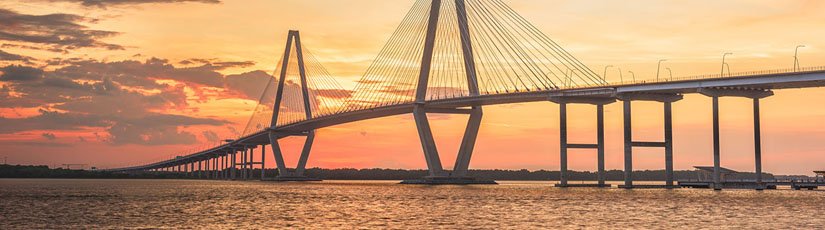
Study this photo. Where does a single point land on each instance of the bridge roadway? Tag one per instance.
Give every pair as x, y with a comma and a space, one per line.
757, 82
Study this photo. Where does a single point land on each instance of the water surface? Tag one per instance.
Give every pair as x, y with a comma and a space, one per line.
202, 204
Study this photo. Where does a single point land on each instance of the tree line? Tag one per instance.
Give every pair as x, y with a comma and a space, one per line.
23, 171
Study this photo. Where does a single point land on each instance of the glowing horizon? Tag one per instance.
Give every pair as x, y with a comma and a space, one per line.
188, 67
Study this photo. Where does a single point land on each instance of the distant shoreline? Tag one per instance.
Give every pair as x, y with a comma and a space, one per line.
27, 171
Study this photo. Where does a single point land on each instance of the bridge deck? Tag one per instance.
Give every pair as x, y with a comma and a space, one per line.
768, 81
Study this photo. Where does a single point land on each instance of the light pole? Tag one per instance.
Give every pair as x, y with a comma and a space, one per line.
658, 67
634, 76
621, 78
604, 76
670, 72
795, 59
722, 73
726, 65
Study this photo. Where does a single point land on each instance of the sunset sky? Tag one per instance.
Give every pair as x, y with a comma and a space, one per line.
115, 83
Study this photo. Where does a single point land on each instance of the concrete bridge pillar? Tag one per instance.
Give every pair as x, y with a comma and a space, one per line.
234, 165
263, 162
755, 95
243, 163
215, 167
284, 174
225, 166
667, 144
200, 169
437, 174
564, 145
251, 163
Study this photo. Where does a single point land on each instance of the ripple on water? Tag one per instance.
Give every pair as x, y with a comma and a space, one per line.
201, 204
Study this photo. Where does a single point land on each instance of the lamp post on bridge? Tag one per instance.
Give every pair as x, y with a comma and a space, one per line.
727, 65
634, 76
621, 77
658, 67
670, 72
604, 76
795, 59
722, 73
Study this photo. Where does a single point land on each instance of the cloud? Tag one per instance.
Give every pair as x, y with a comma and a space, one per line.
20, 73
49, 136
106, 3
250, 84
129, 117
151, 129
37, 143
211, 136
130, 99
5, 56
60, 31
7, 45
47, 120
140, 74
158, 129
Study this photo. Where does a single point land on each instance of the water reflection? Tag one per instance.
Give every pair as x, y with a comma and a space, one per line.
117, 204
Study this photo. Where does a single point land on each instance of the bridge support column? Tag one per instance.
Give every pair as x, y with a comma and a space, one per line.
667, 144
263, 162
215, 167
755, 95
757, 144
462, 163
717, 178
200, 169
243, 163
564, 145
251, 163
284, 174
245, 170
222, 167
234, 160
427, 142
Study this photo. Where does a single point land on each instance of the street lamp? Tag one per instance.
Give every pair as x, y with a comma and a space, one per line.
795, 59
722, 73
726, 65
670, 72
634, 76
604, 76
621, 78
659, 67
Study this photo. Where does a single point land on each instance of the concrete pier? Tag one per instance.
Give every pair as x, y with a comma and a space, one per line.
755, 95
564, 145
667, 144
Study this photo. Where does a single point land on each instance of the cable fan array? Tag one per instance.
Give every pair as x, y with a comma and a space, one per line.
510, 55
325, 95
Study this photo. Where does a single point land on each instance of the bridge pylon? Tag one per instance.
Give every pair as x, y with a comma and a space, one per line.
284, 173
437, 174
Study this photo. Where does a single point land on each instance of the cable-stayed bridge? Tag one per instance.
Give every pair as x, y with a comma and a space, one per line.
457, 56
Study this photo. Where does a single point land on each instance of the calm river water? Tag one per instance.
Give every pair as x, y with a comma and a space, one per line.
201, 204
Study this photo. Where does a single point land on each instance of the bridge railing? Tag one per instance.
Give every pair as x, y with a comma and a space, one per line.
712, 76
